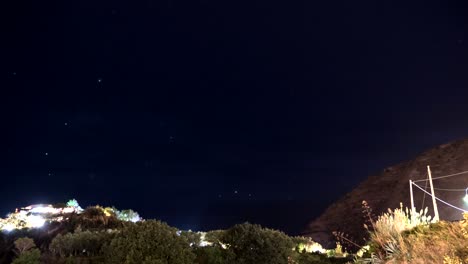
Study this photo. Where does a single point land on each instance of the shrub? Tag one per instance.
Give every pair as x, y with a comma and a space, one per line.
128, 215
386, 238
443, 242
306, 244
32, 256
192, 238
254, 244
27, 252
315, 258
72, 203
214, 236
95, 217
84, 243
401, 237
214, 255
148, 242
24, 244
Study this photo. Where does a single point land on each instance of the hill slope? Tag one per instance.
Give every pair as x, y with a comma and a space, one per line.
390, 187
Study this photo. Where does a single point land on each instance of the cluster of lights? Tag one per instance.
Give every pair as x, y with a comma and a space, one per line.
36, 221
22, 220
311, 247
8, 227
51, 210
36, 216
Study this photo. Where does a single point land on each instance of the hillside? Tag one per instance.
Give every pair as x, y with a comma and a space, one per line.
390, 187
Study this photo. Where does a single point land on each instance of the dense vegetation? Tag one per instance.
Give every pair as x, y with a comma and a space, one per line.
108, 236
402, 236
101, 235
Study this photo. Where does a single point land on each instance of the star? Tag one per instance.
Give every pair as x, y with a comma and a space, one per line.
235, 191
66, 124
99, 80
47, 153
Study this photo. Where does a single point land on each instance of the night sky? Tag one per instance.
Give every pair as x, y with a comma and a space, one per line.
209, 113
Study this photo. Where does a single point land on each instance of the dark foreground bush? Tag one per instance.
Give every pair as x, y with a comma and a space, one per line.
316, 258
81, 243
254, 244
150, 242
32, 256
26, 251
214, 255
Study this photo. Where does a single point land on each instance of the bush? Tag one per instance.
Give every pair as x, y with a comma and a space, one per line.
148, 242
84, 243
254, 244
214, 236
306, 244
443, 242
214, 255
27, 252
192, 238
24, 244
313, 258
95, 218
398, 237
128, 215
386, 234
32, 256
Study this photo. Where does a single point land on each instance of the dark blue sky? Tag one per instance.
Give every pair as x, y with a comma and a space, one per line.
209, 113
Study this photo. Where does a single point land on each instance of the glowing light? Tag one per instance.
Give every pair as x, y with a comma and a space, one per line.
465, 199
35, 221
45, 210
135, 219
311, 247
8, 227
68, 210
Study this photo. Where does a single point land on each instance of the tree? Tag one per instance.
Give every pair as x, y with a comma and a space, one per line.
316, 258
150, 242
26, 251
24, 244
214, 236
214, 255
193, 238
254, 244
95, 217
81, 243
128, 215
32, 256
73, 203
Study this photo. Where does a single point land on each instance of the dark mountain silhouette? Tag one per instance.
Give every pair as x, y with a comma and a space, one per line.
391, 186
